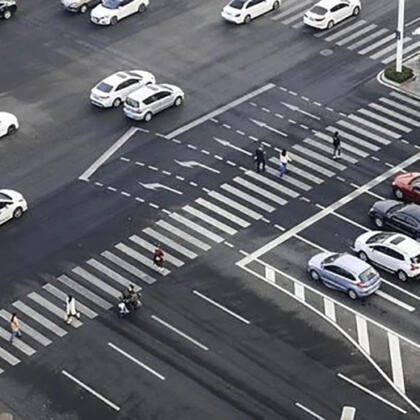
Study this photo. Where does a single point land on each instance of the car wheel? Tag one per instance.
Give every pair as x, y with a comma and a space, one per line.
356, 11
83, 8
116, 103
378, 222
178, 101
352, 294
276, 5
7, 14
114, 20
314, 275
17, 213
148, 117
330, 24
402, 276
247, 19
142, 8
12, 129
399, 194
362, 255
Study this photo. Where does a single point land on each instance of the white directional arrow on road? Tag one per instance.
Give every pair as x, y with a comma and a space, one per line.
265, 125
193, 163
232, 146
155, 186
297, 109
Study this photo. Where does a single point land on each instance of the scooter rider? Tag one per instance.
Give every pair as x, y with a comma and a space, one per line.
158, 256
130, 297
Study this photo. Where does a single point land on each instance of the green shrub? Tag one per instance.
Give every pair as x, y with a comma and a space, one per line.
392, 74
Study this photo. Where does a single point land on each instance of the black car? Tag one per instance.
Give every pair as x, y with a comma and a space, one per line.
7, 8
79, 6
397, 216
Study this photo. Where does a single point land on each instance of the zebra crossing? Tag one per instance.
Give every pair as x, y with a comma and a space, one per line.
367, 39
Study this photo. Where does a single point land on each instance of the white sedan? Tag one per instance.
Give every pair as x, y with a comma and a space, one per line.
12, 205
8, 123
393, 252
327, 13
243, 11
109, 12
112, 91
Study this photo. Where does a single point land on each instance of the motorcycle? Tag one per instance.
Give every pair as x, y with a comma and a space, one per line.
127, 305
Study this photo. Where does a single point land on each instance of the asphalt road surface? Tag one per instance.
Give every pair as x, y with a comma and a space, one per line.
232, 327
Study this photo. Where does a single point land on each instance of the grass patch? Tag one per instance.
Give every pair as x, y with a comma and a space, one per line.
392, 74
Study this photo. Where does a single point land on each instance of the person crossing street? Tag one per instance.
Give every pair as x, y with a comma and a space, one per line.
284, 160
15, 327
71, 310
337, 146
259, 158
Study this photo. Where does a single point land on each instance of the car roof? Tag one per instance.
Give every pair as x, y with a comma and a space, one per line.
329, 3
145, 91
406, 245
351, 263
412, 210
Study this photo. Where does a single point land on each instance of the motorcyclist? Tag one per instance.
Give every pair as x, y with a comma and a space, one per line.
130, 297
158, 256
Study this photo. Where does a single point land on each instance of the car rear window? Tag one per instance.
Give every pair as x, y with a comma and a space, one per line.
368, 275
237, 4
415, 260
379, 237
131, 102
104, 87
318, 10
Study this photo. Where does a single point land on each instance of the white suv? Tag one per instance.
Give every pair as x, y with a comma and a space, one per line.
393, 252
12, 205
150, 100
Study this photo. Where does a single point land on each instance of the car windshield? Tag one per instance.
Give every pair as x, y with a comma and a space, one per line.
104, 87
331, 258
5, 197
368, 275
132, 102
415, 260
111, 4
318, 10
237, 4
379, 237
415, 182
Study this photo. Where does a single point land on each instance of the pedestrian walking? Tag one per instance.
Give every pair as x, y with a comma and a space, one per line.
71, 309
284, 160
337, 146
15, 327
259, 158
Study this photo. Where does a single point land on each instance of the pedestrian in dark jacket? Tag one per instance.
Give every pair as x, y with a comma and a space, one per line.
259, 158
337, 145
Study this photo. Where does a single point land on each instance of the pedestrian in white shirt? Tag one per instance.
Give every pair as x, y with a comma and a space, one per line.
284, 160
71, 309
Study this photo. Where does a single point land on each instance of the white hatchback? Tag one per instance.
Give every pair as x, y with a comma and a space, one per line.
327, 13
113, 90
109, 12
243, 11
12, 205
393, 252
8, 123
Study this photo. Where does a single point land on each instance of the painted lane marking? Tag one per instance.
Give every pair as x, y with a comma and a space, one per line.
367, 39
401, 289
90, 390
223, 308
227, 143
156, 185
182, 334
270, 275
362, 333
356, 34
259, 190
137, 362
107, 154
192, 164
369, 192
369, 392
308, 411
299, 291
329, 309
96, 282
396, 362
268, 127
210, 220
396, 301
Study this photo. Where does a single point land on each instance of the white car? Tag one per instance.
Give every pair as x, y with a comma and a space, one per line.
243, 11
112, 91
12, 205
327, 13
109, 12
8, 123
150, 100
393, 252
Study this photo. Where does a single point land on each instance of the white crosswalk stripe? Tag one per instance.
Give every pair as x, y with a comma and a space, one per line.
377, 44
274, 185
345, 30
63, 297
222, 212
151, 248
8, 357
329, 150
27, 329
194, 226
384, 120
353, 138
260, 191
45, 322
374, 126
54, 309
18, 343
289, 179
298, 10
172, 244
234, 204
298, 171
407, 99
356, 34
130, 268
319, 157
182, 234
363, 132
112, 274
95, 281
406, 51
246, 197
141, 258
394, 114
83, 291
315, 168
328, 139
367, 39
397, 105
386, 50
210, 220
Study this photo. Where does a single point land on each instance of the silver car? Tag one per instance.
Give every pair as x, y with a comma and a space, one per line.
344, 272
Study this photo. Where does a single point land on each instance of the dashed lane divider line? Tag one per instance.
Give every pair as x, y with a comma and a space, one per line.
308, 411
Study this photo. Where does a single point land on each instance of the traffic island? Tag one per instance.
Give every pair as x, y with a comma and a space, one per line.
392, 75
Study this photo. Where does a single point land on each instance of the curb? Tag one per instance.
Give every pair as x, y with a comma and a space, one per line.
6, 416
381, 79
